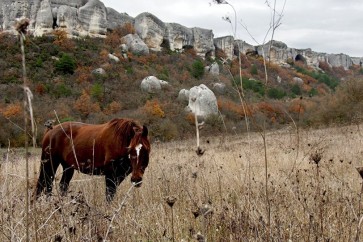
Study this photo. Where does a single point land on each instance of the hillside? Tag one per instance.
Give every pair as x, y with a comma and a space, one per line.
65, 87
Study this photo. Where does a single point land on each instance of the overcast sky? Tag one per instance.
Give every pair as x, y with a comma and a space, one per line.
330, 26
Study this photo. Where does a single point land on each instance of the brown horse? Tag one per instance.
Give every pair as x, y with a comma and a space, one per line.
114, 149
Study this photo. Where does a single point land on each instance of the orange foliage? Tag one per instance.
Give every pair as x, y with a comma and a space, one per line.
306, 87
153, 108
190, 118
83, 74
113, 39
296, 106
62, 40
12, 110
271, 110
229, 105
40, 89
113, 108
85, 106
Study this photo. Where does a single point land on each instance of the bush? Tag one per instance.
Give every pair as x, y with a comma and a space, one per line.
276, 93
97, 91
295, 89
254, 85
66, 64
254, 70
197, 69
61, 90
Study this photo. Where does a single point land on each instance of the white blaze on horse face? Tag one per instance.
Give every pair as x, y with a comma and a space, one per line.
137, 149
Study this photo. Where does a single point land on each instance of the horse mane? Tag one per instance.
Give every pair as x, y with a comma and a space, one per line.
130, 130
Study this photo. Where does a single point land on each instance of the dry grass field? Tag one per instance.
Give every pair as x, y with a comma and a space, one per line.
313, 193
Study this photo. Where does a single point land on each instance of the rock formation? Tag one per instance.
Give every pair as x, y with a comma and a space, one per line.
134, 44
202, 101
92, 18
151, 84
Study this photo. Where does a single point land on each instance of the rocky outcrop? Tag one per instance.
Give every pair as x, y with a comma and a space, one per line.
44, 19
152, 84
150, 29
157, 35
203, 42
231, 47
183, 95
134, 44
92, 18
177, 37
116, 19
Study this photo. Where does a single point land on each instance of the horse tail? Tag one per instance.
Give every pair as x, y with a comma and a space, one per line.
41, 181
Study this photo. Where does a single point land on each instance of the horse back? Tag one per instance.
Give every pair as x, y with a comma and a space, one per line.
78, 143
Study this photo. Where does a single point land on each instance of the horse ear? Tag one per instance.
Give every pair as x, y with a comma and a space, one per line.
145, 132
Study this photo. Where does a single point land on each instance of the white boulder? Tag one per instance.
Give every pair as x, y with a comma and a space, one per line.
152, 84
202, 101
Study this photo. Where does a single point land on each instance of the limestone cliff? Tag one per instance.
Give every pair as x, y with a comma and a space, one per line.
92, 18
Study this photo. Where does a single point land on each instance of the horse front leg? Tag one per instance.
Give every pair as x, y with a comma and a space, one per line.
110, 186
50, 168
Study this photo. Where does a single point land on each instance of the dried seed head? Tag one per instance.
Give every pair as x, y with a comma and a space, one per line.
200, 237
360, 171
22, 25
206, 209
199, 151
195, 175
170, 200
316, 157
196, 212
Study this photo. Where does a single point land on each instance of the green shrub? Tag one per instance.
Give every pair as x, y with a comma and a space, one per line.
251, 84
254, 85
254, 70
313, 92
330, 81
61, 90
276, 93
197, 69
66, 64
295, 89
97, 91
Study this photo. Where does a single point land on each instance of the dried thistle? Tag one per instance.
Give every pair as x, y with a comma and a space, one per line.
196, 212
22, 25
199, 151
316, 157
199, 237
170, 200
206, 209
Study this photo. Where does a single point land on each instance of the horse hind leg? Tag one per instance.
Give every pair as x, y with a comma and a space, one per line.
66, 178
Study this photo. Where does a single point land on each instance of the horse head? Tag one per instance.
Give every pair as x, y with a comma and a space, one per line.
139, 151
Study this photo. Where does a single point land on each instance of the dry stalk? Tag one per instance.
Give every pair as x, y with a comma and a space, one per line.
118, 210
21, 27
198, 126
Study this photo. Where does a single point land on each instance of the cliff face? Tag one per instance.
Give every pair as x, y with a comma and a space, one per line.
92, 18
